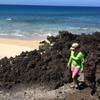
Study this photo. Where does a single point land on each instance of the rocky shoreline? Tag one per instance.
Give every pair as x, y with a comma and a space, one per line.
47, 65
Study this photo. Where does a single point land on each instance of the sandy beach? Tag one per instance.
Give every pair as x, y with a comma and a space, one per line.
11, 47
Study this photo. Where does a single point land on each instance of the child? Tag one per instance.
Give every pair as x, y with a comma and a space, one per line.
76, 63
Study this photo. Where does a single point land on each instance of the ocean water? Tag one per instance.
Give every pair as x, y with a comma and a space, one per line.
39, 21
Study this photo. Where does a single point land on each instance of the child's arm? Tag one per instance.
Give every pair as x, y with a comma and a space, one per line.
70, 59
78, 57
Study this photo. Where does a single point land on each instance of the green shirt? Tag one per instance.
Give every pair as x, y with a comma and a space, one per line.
76, 60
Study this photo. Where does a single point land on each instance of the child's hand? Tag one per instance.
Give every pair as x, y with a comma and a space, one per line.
68, 65
81, 71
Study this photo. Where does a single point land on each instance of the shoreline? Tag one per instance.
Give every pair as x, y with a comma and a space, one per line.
10, 47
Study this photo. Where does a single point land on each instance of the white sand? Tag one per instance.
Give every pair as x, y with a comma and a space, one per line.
12, 47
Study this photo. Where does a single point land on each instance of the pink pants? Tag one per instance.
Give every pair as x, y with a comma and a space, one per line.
75, 70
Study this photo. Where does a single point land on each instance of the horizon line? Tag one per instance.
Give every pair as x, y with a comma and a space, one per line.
50, 5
